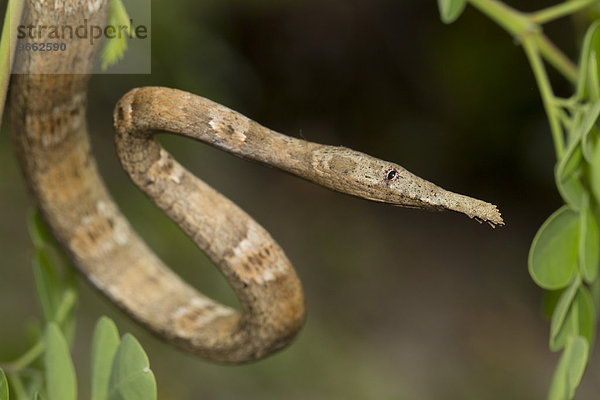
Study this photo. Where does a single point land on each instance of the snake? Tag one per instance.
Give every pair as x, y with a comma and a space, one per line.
49, 130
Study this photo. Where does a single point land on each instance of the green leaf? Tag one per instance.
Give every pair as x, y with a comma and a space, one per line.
589, 243
572, 191
570, 328
587, 52
585, 129
580, 319
553, 253
570, 369
3, 386
104, 347
46, 283
115, 48
131, 377
562, 308
70, 284
568, 172
60, 373
450, 10
593, 85
40, 236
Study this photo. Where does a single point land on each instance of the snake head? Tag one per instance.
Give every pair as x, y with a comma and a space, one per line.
361, 175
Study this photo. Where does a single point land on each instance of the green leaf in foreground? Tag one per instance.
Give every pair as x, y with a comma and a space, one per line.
570, 369
131, 377
589, 119
562, 308
593, 83
553, 253
450, 10
3, 386
568, 173
580, 320
104, 347
115, 48
587, 130
589, 42
46, 283
37, 230
60, 373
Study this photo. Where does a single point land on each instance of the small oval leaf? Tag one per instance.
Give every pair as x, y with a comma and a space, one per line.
568, 172
593, 84
589, 43
47, 286
450, 10
553, 253
576, 355
60, 373
585, 129
569, 328
562, 308
104, 347
580, 320
39, 234
569, 370
588, 143
131, 377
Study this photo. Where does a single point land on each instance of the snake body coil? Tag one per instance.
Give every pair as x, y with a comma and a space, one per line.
49, 129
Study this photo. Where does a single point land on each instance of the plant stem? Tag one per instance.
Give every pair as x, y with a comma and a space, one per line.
66, 305
543, 82
559, 10
564, 118
30, 356
518, 24
14, 9
568, 103
557, 58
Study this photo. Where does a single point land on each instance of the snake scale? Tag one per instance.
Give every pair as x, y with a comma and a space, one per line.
48, 125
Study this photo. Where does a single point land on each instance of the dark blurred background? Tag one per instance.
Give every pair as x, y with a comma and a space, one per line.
402, 304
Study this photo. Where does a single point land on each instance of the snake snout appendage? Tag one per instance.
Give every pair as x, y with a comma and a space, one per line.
494, 220
475, 209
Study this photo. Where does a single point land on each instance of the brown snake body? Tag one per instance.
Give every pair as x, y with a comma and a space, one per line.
49, 129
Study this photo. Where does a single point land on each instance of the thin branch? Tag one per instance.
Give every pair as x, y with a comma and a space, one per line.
546, 92
556, 57
560, 10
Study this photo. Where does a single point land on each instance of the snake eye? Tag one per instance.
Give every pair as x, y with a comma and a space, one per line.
391, 175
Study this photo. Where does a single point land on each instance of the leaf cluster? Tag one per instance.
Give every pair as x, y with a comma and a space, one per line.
565, 254
120, 369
